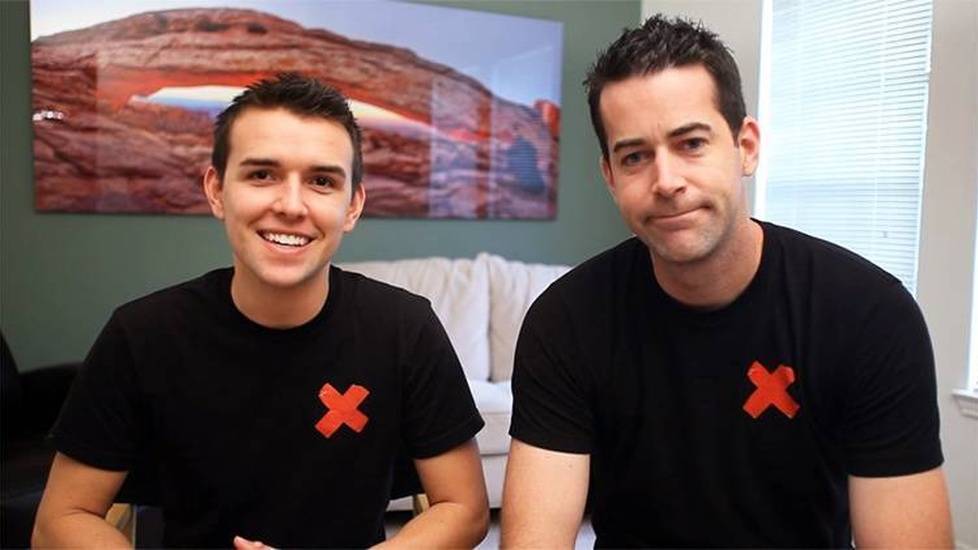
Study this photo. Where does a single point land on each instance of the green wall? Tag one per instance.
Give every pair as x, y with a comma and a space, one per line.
62, 274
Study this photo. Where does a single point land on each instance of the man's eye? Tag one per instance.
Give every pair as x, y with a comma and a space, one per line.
632, 159
260, 175
323, 181
694, 144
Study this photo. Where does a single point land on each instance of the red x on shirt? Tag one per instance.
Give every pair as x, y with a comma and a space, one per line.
772, 389
342, 409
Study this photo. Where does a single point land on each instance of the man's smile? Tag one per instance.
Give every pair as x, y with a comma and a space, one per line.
285, 239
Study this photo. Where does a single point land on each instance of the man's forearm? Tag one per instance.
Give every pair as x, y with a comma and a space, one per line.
444, 525
544, 497
517, 533
911, 511
77, 530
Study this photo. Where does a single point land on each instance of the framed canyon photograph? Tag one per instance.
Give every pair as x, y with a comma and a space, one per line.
460, 109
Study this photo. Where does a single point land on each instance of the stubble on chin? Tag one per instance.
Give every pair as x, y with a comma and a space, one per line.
686, 247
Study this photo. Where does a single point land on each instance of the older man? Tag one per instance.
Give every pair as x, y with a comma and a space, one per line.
716, 380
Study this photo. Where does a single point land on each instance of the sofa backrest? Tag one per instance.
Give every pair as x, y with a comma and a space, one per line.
459, 294
481, 302
513, 286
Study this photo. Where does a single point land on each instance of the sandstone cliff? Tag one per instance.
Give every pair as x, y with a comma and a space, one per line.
472, 155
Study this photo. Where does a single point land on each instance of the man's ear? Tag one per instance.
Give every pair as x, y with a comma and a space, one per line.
609, 177
353, 211
749, 143
213, 187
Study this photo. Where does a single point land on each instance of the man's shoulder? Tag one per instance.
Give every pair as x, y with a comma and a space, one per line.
613, 263
838, 281
830, 263
603, 271
190, 294
595, 282
371, 295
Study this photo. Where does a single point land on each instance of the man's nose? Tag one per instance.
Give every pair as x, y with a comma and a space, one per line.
667, 177
290, 201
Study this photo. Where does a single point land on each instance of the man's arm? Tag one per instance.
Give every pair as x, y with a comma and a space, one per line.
459, 513
72, 510
544, 497
909, 511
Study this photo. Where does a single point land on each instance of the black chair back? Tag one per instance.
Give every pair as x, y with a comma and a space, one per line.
11, 393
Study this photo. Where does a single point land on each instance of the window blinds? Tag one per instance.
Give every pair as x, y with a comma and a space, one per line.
845, 124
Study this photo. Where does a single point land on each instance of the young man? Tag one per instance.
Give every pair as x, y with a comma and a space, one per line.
277, 393
725, 381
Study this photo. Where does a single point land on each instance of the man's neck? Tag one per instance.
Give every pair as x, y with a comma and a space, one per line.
277, 307
718, 280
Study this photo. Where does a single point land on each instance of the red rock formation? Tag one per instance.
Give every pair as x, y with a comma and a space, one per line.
550, 114
111, 153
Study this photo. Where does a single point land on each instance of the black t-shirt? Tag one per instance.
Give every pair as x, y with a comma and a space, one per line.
734, 427
238, 414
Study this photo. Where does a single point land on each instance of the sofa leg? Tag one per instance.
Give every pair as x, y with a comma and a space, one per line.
420, 503
123, 518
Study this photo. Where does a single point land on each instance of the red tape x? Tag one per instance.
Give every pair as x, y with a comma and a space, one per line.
772, 389
342, 409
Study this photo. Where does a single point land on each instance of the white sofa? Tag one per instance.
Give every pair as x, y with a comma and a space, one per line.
481, 302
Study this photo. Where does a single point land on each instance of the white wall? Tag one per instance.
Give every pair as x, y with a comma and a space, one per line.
949, 210
947, 241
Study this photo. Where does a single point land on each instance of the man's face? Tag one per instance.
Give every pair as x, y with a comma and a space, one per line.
674, 167
286, 198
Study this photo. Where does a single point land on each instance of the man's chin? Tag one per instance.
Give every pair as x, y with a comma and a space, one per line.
678, 251
286, 279
679, 258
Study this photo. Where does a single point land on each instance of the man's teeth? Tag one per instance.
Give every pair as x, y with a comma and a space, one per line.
286, 239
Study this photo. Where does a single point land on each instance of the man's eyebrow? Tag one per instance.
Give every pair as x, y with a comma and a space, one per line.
318, 168
259, 162
691, 127
625, 143
329, 169
682, 130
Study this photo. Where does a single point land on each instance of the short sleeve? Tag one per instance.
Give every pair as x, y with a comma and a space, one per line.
892, 425
439, 412
98, 424
551, 403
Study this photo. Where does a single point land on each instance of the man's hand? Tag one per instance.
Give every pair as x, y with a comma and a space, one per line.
543, 498
459, 512
72, 510
901, 512
241, 543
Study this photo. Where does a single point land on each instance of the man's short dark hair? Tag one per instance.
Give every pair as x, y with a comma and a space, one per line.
297, 94
658, 44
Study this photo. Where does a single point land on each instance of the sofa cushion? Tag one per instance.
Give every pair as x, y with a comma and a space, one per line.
513, 286
459, 294
495, 404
